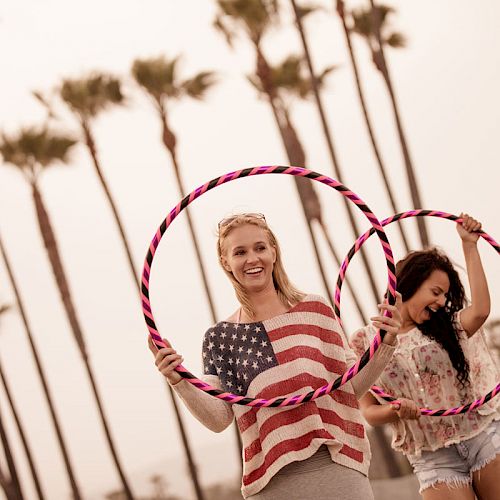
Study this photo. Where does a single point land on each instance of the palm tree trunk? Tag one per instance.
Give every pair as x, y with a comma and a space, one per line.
369, 126
13, 487
309, 198
187, 447
43, 378
22, 434
378, 432
63, 287
169, 142
381, 64
6, 486
354, 296
296, 156
331, 150
90, 142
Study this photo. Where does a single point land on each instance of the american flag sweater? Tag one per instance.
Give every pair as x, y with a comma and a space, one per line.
291, 353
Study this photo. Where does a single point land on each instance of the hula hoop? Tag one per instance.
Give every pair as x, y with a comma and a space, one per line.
359, 243
276, 401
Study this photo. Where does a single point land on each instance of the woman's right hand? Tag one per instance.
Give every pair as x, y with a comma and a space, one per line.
166, 360
406, 409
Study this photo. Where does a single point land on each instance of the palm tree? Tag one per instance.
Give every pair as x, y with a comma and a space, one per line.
32, 151
41, 374
255, 18
10, 485
87, 98
368, 122
314, 85
19, 425
371, 25
158, 78
288, 83
279, 84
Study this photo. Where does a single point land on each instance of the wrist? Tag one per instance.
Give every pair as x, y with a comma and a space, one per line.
469, 244
174, 380
390, 338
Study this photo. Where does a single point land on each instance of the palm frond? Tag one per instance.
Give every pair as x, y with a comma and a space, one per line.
364, 24
197, 86
325, 73
4, 308
291, 77
90, 95
396, 40
255, 82
44, 101
229, 33
305, 10
288, 74
35, 145
157, 76
254, 16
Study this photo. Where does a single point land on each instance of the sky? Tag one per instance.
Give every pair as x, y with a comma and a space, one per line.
446, 82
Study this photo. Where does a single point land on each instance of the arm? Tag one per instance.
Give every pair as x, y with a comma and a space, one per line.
474, 316
213, 413
376, 414
374, 368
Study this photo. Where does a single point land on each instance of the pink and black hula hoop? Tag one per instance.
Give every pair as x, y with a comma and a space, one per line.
276, 401
343, 268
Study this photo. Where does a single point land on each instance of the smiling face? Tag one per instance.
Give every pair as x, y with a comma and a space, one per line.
429, 297
249, 256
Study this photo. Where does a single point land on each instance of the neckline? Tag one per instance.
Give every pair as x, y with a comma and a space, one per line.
267, 319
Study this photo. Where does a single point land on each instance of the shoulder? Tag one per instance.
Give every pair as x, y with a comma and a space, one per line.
315, 304
312, 297
456, 322
214, 331
312, 301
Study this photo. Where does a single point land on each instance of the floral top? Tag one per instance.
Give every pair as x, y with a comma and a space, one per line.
421, 370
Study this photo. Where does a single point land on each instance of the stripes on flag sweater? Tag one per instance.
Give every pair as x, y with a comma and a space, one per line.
291, 353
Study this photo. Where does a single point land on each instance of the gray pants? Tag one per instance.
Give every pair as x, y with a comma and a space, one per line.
317, 478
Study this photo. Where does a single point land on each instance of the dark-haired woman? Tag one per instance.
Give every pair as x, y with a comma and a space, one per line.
441, 361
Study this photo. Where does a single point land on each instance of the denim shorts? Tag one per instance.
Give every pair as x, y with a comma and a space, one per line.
455, 464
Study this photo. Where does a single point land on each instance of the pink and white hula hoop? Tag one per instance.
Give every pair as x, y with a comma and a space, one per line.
343, 268
276, 401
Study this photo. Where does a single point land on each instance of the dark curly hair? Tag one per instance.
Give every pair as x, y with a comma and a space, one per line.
411, 272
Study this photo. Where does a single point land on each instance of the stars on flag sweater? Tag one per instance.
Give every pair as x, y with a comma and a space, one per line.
237, 353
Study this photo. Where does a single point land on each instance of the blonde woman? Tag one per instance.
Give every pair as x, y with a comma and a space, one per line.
281, 342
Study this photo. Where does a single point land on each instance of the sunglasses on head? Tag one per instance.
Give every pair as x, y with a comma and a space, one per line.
228, 220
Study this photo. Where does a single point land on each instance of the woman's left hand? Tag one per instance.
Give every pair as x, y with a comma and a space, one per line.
392, 324
467, 229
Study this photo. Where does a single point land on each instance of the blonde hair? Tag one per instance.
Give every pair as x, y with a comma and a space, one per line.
287, 293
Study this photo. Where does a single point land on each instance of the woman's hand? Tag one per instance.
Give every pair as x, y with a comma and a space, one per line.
392, 324
406, 409
467, 229
166, 360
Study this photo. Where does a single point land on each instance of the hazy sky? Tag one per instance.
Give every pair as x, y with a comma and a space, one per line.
447, 84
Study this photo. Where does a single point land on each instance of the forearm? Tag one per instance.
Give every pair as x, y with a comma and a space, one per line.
362, 382
377, 414
213, 413
480, 295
